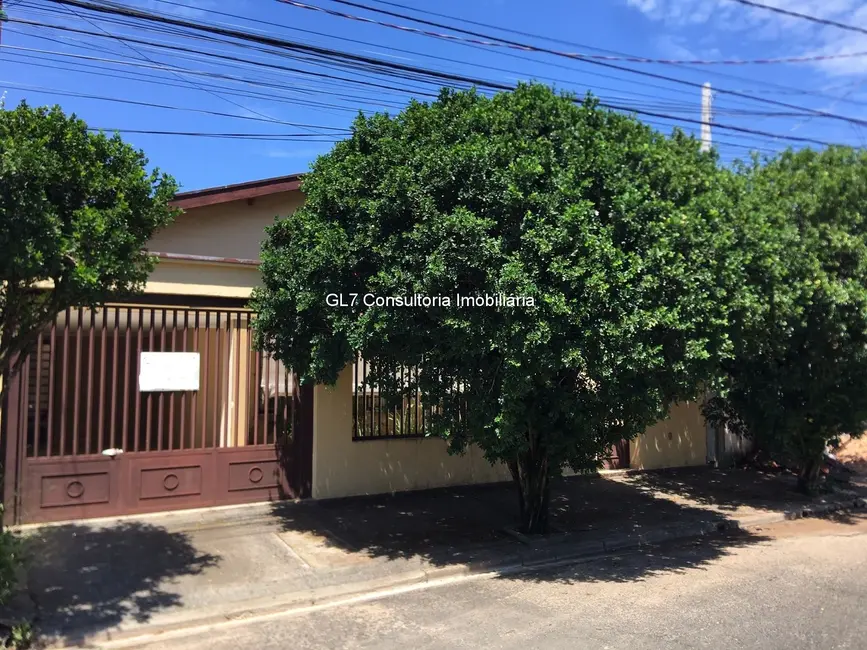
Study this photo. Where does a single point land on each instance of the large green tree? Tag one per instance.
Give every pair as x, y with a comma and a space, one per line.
76, 210
798, 378
621, 236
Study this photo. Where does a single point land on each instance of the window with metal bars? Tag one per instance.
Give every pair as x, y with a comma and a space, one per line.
377, 416
401, 411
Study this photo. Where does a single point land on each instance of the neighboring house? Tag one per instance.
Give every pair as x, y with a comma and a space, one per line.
162, 403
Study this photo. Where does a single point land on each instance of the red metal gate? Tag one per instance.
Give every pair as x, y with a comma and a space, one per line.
82, 439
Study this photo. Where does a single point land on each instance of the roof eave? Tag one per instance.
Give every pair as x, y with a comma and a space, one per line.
237, 192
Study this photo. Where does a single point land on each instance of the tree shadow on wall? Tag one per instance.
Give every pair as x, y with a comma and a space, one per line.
89, 579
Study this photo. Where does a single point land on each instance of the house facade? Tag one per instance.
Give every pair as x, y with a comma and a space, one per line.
162, 403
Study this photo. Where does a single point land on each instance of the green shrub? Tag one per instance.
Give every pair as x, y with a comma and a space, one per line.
11, 552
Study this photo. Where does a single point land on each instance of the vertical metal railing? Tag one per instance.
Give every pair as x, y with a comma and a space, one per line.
374, 417
82, 393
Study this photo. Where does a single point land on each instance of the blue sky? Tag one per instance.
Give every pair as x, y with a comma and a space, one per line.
261, 100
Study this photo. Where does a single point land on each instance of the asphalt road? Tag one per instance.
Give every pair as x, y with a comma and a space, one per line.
795, 585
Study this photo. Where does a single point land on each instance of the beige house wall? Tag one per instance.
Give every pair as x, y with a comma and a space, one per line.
678, 441
344, 467
234, 229
184, 278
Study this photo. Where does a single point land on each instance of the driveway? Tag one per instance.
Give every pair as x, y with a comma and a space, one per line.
95, 582
802, 586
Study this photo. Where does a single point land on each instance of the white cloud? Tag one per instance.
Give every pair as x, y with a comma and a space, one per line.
675, 47
787, 35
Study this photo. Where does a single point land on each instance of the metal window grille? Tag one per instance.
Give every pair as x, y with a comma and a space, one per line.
381, 415
376, 417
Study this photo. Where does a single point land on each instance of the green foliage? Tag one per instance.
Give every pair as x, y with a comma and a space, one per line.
798, 378
21, 636
623, 238
77, 209
11, 559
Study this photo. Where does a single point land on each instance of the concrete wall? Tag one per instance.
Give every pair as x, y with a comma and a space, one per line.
343, 467
678, 441
227, 230
183, 278
233, 229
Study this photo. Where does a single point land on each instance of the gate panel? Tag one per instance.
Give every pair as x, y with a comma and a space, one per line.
55, 490
84, 441
169, 480
250, 475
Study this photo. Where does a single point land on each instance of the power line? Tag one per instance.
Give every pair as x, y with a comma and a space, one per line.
675, 107
532, 48
795, 14
332, 53
193, 83
727, 143
686, 106
346, 131
767, 86
302, 137
199, 55
53, 91
281, 99
624, 57
652, 122
168, 68
448, 59
293, 46
478, 83
627, 109
156, 79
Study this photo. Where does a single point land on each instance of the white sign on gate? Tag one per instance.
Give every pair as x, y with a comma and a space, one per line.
168, 371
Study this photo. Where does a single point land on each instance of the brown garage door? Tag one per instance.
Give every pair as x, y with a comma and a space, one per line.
97, 424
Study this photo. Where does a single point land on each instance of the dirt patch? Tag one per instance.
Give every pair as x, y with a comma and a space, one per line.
834, 524
853, 454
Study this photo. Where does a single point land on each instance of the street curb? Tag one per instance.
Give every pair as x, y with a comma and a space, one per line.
533, 558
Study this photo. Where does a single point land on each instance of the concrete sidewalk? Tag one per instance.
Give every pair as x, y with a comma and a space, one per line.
101, 582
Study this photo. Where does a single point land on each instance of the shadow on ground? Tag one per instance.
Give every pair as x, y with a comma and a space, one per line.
639, 565
88, 579
458, 525
729, 489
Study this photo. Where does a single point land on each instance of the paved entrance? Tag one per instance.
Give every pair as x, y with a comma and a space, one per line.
100, 582
89, 435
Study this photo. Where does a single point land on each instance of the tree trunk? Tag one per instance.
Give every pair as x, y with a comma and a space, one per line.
530, 472
808, 478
